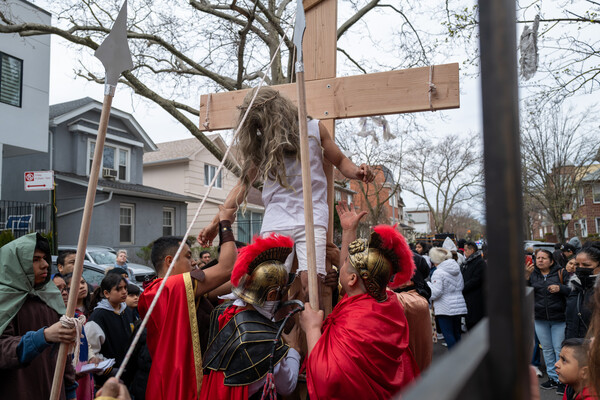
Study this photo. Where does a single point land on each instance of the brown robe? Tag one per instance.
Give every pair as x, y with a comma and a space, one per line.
32, 381
416, 310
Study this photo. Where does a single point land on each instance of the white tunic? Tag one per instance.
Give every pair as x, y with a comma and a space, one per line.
284, 208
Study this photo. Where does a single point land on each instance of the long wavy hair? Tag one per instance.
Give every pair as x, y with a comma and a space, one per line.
269, 134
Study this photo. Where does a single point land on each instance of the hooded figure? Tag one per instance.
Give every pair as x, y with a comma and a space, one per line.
26, 310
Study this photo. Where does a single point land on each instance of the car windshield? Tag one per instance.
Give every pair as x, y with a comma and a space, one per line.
103, 257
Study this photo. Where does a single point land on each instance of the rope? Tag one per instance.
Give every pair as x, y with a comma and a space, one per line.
187, 233
432, 87
76, 323
206, 123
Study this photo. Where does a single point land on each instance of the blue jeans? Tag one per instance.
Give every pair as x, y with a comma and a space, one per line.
535, 359
450, 327
551, 335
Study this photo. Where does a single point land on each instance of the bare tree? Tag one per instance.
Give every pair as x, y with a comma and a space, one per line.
463, 223
371, 141
558, 148
444, 174
180, 47
568, 43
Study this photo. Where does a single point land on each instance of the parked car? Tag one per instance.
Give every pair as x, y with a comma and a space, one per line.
98, 259
91, 273
539, 245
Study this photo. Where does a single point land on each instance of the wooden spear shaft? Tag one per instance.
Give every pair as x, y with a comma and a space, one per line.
83, 238
311, 258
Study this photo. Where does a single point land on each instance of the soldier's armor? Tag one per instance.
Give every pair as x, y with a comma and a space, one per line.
242, 348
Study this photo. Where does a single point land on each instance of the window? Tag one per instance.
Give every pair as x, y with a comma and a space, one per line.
583, 223
113, 157
597, 225
596, 192
209, 174
581, 196
168, 221
126, 220
249, 224
337, 196
11, 80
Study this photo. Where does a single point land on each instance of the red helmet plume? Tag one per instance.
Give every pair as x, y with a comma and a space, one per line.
272, 247
398, 252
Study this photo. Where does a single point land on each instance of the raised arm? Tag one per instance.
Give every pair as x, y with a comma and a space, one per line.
220, 273
349, 220
335, 156
233, 200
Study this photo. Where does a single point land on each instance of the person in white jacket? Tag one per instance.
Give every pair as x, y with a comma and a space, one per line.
446, 294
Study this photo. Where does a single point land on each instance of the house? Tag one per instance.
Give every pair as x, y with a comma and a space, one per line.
421, 218
187, 167
381, 198
24, 109
585, 220
126, 213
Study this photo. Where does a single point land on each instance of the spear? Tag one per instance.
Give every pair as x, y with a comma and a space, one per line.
313, 284
116, 58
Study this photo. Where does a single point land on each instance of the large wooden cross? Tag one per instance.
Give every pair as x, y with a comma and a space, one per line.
329, 98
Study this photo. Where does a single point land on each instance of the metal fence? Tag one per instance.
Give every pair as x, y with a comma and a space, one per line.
21, 217
248, 228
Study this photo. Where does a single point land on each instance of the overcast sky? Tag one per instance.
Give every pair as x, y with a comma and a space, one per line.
162, 127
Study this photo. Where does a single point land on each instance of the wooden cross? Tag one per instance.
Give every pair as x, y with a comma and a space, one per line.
330, 98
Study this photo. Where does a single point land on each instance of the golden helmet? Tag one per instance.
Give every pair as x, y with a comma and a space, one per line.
376, 260
260, 268
254, 288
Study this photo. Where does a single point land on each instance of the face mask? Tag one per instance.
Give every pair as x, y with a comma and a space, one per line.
584, 275
268, 308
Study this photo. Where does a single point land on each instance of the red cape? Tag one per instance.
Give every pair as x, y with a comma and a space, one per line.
173, 340
363, 351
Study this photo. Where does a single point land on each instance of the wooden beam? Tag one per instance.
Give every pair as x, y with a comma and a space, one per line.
308, 4
393, 92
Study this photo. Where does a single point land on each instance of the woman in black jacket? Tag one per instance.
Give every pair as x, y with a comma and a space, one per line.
550, 293
579, 302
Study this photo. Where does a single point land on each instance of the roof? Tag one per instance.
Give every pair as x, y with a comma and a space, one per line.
125, 188
177, 150
62, 112
593, 176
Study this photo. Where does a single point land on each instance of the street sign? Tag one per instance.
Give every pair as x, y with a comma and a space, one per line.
567, 217
39, 180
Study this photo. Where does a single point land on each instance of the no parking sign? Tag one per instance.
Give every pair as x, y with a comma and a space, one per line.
39, 180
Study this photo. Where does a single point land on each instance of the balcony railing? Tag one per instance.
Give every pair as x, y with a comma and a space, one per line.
22, 217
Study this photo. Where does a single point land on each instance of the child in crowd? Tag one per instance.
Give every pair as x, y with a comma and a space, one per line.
109, 327
133, 296
85, 381
84, 297
572, 370
269, 145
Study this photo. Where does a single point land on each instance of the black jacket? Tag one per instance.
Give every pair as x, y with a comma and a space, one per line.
473, 272
139, 366
579, 307
421, 273
549, 306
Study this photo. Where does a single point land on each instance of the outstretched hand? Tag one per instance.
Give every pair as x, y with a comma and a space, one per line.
349, 219
207, 234
365, 173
